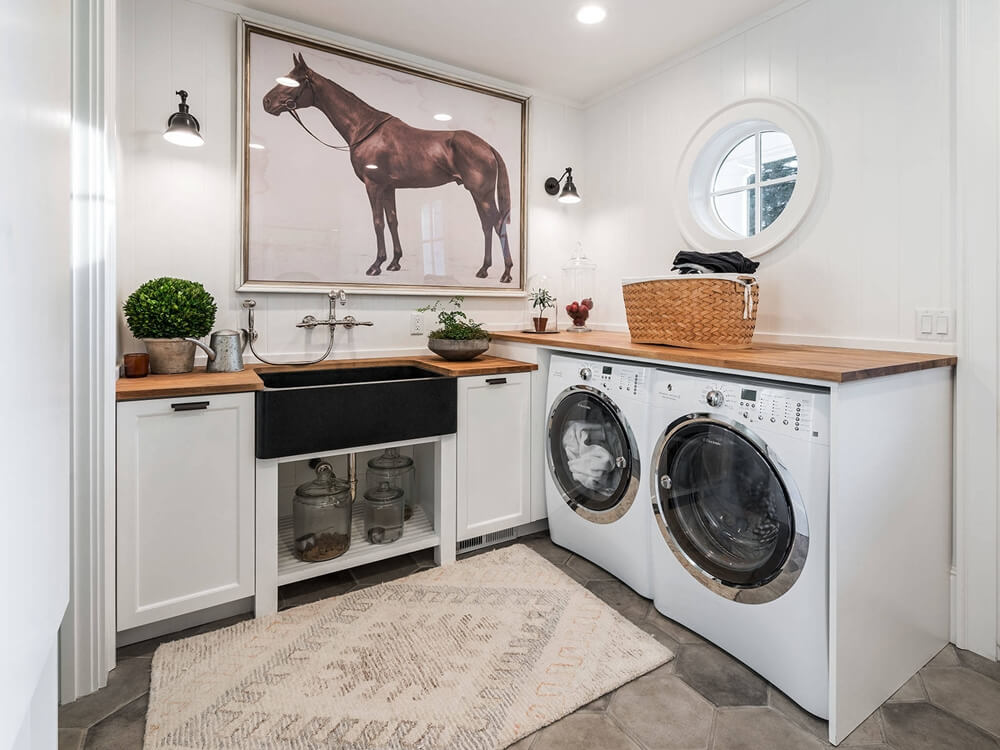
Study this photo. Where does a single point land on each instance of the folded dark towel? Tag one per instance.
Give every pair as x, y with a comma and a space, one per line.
688, 261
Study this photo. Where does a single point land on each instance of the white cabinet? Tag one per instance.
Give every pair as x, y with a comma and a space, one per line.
185, 505
494, 461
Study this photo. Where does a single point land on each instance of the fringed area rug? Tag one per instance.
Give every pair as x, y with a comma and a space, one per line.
470, 656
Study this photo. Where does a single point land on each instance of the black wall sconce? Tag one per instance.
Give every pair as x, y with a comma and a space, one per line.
182, 127
568, 193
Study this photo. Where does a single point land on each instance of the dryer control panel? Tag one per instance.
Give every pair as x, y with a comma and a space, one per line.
758, 405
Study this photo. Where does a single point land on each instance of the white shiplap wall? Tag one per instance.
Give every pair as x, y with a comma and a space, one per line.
876, 80
178, 208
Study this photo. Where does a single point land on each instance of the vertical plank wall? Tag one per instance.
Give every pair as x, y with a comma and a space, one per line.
877, 243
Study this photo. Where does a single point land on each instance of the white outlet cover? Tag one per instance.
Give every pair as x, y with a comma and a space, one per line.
418, 326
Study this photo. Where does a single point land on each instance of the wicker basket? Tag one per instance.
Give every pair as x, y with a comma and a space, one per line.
697, 311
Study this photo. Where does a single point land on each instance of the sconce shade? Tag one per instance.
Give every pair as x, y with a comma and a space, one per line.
182, 127
568, 193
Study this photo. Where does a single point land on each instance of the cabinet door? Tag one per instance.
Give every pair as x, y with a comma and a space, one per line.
493, 453
185, 505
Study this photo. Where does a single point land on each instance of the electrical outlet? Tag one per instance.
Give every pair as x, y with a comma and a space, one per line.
935, 325
417, 325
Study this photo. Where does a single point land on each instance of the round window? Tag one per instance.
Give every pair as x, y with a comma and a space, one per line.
750, 174
754, 182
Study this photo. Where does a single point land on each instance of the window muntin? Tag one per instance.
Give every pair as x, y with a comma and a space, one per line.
754, 182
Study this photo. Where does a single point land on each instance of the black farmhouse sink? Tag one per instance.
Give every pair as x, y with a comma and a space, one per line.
313, 410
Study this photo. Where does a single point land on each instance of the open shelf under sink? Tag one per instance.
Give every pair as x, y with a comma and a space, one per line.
418, 534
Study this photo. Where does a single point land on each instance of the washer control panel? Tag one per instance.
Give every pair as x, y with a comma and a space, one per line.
610, 377
618, 378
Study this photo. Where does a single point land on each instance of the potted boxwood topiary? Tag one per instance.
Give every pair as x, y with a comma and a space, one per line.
165, 314
459, 337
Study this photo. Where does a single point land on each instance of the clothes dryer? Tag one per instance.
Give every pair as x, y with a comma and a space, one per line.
739, 488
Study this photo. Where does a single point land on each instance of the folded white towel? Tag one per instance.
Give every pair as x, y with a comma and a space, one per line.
590, 463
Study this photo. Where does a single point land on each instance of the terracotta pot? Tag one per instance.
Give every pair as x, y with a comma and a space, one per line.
170, 356
540, 323
458, 351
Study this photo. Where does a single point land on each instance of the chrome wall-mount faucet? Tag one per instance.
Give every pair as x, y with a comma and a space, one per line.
310, 322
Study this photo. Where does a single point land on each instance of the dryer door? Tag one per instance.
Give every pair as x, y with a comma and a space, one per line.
592, 455
728, 509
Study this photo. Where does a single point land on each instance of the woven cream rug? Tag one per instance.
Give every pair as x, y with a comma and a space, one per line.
470, 656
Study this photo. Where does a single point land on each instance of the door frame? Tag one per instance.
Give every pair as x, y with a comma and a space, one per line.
976, 236
87, 634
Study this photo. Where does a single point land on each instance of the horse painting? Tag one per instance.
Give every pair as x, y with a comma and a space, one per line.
388, 154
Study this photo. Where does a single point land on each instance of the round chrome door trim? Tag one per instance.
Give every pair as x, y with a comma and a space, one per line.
794, 563
628, 497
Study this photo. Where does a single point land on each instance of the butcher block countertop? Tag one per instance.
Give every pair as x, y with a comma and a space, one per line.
833, 364
201, 383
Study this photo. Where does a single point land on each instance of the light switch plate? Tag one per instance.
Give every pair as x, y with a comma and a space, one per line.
933, 324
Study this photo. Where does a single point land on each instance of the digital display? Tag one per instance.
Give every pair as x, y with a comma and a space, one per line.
748, 395
606, 370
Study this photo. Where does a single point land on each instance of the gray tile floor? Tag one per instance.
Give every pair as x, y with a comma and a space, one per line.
702, 699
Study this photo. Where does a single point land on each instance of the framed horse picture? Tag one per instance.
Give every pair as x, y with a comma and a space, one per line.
364, 173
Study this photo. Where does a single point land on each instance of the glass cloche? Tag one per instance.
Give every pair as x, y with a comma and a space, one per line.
541, 309
579, 285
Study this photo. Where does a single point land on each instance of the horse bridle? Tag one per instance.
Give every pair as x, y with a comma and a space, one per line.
291, 106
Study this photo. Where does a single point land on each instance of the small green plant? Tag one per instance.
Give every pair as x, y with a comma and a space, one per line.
168, 308
455, 324
542, 299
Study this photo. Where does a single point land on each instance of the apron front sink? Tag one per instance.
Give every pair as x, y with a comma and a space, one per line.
314, 410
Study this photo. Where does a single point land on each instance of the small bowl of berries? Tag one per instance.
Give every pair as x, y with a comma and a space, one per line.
578, 313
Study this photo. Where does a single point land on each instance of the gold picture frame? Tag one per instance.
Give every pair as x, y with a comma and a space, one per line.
304, 225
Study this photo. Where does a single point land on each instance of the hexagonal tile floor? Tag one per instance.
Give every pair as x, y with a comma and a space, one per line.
702, 700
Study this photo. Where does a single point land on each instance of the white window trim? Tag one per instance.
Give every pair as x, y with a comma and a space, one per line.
703, 155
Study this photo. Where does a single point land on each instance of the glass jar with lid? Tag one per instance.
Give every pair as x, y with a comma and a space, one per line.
398, 471
383, 514
579, 285
321, 516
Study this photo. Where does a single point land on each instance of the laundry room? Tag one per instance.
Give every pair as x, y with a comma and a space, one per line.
613, 374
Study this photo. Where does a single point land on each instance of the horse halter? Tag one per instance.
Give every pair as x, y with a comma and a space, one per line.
291, 106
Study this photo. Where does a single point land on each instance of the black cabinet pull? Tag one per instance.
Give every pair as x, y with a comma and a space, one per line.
190, 406
496, 381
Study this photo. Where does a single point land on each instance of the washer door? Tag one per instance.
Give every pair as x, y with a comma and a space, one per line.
728, 509
592, 454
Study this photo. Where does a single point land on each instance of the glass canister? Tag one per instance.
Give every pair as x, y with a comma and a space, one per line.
540, 308
398, 471
579, 282
383, 514
321, 516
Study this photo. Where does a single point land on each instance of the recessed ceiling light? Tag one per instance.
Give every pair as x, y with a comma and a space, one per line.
371, 166
286, 81
256, 146
591, 14
442, 117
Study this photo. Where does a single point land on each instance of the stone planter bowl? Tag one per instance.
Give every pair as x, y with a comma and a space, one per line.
458, 351
170, 356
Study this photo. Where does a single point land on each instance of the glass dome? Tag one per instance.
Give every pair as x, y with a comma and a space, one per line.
541, 308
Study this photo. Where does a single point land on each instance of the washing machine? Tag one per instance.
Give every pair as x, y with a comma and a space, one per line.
739, 484
596, 495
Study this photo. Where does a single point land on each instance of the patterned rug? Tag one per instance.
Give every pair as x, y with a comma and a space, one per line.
470, 656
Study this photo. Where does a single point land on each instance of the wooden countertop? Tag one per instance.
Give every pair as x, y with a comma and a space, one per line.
199, 382
814, 362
